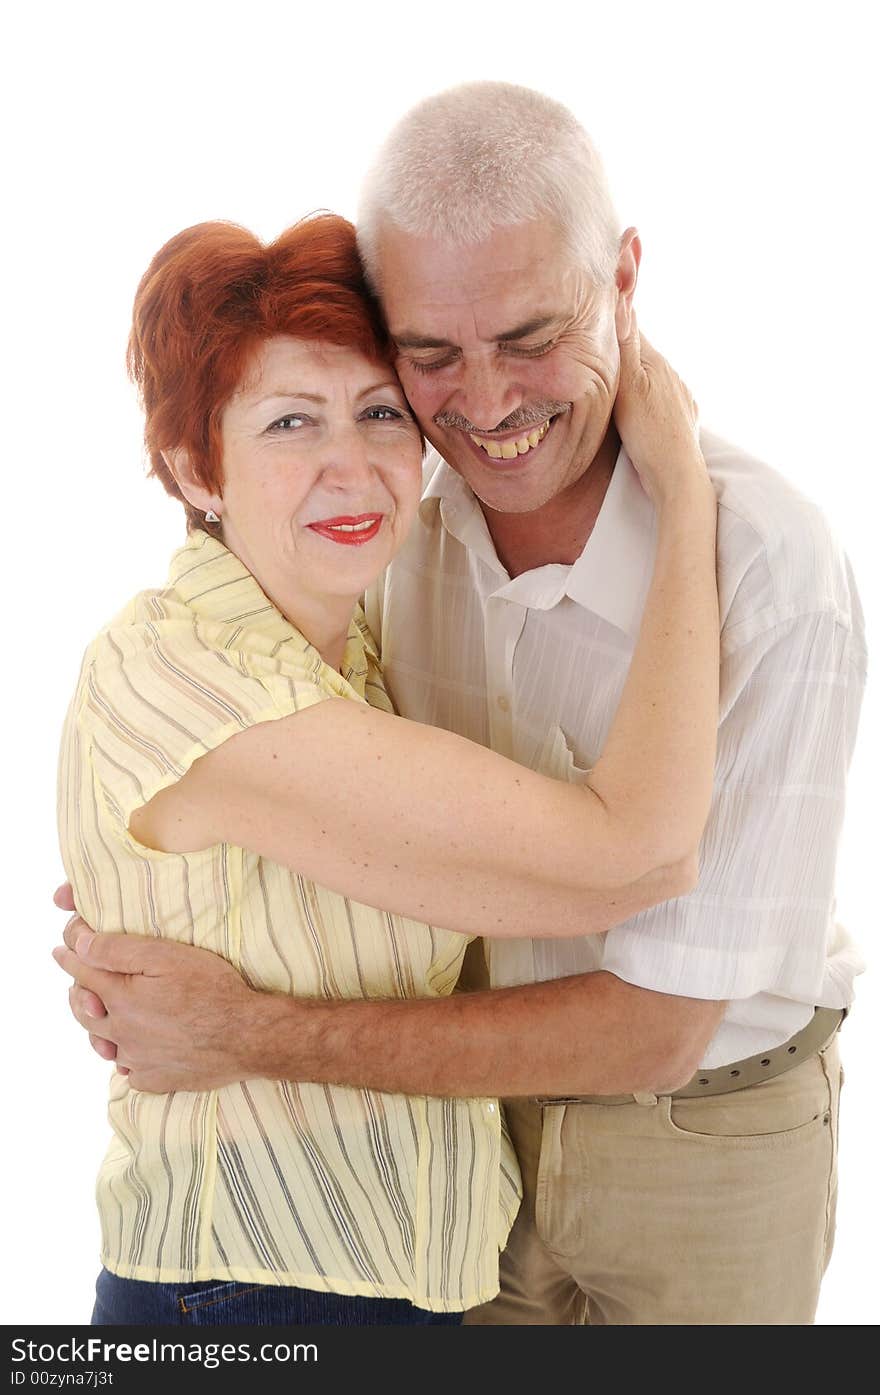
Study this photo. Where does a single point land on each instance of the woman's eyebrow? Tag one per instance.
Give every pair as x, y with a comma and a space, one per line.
282, 394
377, 387
289, 392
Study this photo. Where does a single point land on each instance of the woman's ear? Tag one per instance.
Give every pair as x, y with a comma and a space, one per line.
201, 497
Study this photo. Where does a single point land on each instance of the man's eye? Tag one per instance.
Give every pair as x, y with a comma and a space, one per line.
429, 365
291, 422
383, 414
531, 350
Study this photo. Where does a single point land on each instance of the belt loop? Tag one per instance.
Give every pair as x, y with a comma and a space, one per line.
644, 1097
551, 1129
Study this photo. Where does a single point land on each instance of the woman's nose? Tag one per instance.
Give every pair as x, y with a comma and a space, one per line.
348, 460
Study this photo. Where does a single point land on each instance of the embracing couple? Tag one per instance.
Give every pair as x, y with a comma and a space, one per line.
389, 705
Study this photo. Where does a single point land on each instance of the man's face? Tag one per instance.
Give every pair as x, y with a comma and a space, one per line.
508, 343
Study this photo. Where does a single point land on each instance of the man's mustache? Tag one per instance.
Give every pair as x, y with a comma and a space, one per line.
535, 414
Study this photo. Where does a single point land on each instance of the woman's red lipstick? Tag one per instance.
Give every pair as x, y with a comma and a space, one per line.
350, 530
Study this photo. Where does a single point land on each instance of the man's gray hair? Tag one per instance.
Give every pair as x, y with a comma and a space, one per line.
488, 155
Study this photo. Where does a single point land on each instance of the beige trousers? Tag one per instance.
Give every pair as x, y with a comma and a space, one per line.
675, 1212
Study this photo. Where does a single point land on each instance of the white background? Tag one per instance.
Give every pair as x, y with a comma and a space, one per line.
739, 138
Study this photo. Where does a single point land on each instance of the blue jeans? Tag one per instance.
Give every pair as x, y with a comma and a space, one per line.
216, 1303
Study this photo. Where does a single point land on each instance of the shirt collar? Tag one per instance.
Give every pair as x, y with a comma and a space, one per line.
613, 573
459, 510
213, 583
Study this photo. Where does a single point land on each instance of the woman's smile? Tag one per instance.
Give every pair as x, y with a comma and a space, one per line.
348, 530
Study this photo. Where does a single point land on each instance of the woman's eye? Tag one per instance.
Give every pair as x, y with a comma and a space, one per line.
384, 414
289, 423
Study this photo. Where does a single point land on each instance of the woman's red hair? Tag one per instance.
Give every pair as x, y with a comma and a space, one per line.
209, 297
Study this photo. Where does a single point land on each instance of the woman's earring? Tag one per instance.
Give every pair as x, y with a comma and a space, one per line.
211, 517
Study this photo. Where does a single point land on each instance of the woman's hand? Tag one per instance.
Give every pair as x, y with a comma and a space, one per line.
655, 415
83, 1004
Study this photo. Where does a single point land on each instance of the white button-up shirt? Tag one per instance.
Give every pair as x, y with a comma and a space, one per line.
534, 667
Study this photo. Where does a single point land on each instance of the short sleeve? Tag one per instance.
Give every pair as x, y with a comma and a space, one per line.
762, 915
154, 699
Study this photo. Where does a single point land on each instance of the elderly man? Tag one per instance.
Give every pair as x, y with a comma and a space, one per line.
510, 617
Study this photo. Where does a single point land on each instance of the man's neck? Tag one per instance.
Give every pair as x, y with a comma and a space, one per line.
557, 531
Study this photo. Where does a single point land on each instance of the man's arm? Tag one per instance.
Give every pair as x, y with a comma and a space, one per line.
183, 1019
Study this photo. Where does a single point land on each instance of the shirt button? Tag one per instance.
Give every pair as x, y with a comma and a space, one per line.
491, 1108
504, 704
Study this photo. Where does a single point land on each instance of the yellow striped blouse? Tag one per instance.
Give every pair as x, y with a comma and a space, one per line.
347, 1191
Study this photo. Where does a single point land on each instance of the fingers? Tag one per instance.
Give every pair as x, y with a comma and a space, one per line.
75, 927
118, 954
635, 350
105, 1049
85, 974
647, 351
85, 1004
628, 337
81, 1002
63, 897
639, 360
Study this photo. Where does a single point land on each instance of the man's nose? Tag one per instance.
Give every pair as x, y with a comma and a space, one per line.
487, 394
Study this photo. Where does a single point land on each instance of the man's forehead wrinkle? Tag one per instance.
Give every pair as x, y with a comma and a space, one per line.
493, 325
460, 280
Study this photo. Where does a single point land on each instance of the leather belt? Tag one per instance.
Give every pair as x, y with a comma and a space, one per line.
817, 1034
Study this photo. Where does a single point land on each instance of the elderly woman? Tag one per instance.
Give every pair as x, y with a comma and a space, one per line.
232, 776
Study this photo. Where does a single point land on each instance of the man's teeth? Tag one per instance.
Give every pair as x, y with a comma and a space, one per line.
507, 450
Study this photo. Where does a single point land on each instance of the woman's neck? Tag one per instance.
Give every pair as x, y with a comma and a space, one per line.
324, 620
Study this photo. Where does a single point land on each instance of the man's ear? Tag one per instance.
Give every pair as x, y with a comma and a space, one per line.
627, 273
193, 491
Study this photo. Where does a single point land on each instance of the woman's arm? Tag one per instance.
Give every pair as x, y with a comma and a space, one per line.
425, 823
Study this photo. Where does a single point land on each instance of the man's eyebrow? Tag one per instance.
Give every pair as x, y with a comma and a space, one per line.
529, 327
409, 340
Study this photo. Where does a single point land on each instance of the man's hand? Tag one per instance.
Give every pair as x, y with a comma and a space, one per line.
169, 1011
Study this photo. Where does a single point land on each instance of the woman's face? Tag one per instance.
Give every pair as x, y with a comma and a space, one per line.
321, 470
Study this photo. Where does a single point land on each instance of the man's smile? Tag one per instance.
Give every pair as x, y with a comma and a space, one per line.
512, 447
509, 447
